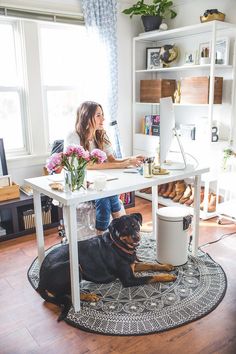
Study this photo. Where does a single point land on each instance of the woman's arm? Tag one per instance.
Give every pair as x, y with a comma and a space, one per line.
112, 162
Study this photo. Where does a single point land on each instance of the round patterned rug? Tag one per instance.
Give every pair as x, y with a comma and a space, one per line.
200, 286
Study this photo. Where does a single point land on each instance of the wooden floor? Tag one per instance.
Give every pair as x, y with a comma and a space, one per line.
28, 324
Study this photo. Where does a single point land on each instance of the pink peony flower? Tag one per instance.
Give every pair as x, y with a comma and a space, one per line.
74, 157
98, 155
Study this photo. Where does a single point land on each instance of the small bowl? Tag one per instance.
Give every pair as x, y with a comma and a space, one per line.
212, 17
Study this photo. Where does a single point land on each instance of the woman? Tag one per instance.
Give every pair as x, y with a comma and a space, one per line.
89, 132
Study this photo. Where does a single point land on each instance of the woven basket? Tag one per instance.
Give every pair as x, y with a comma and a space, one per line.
212, 17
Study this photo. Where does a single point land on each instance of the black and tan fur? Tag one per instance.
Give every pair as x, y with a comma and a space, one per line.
102, 259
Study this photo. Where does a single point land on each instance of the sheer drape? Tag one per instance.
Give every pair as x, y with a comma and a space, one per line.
101, 22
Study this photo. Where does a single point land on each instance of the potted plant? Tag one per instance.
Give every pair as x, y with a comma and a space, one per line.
152, 14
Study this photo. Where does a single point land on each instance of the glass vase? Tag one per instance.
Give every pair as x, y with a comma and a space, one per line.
75, 179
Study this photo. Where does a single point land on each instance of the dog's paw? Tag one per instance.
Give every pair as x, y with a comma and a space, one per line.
168, 267
89, 297
168, 277
163, 278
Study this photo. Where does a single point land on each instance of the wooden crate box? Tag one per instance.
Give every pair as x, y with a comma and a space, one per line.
9, 192
196, 90
153, 90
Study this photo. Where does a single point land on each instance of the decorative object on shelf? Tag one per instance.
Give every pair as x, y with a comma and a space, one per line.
74, 161
26, 190
222, 51
177, 93
153, 58
228, 153
5, 181
190, 58
168, 54
214, 134
211, 15
10, 192
221, 54
204, 52
163, 27
153, 90
195, 90
152, 14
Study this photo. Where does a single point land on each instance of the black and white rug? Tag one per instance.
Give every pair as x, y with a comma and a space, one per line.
199, 288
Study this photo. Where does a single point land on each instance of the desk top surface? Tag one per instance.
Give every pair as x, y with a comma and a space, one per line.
125, 182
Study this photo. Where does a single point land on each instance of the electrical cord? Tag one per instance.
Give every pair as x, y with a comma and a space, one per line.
188, 154
209, 243
217, 240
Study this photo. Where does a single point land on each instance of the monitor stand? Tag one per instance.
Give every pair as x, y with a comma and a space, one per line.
171, 165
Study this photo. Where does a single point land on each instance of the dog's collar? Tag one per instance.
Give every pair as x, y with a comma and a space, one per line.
122, 248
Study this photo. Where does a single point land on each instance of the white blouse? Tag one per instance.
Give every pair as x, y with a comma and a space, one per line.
73, 138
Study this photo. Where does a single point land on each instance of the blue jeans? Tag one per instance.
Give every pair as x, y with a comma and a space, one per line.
104, 208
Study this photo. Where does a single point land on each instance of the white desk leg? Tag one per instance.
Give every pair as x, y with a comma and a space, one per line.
154, 210
65, 221
196, 215
70, 216
39, 226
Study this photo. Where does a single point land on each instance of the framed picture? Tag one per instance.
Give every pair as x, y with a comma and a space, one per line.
222, 51
3, 163
153, 58
205, 50
190, 57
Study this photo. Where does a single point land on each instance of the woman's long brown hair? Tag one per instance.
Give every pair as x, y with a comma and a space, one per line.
85, 122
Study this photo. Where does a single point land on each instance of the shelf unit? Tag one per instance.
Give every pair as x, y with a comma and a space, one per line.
12, 216
188, 38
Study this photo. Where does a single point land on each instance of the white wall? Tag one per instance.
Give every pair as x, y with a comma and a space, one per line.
188, 11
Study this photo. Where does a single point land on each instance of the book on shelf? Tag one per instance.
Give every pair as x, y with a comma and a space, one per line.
151, 124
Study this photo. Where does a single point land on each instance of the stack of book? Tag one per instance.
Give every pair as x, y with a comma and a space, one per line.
151, 124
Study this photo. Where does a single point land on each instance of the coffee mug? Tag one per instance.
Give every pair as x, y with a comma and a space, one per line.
100, 182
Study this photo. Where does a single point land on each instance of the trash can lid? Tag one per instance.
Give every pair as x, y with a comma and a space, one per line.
173, 213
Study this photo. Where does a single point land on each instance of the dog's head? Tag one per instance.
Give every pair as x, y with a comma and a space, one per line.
126, 229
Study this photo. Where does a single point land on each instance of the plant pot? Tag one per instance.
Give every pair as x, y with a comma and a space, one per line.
151, 23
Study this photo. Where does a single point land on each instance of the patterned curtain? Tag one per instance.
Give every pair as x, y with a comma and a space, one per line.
101, 23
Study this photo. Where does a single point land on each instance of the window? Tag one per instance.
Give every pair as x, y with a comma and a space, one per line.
46, 71
70, 75
11, 89
63, 58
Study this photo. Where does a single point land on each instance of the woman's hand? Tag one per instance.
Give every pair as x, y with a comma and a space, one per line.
134, 161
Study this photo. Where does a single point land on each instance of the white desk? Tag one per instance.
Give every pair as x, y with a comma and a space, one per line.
126, 182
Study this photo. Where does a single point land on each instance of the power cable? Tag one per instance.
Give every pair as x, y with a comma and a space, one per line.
208, 243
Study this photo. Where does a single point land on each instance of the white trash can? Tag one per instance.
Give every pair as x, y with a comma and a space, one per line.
172, 235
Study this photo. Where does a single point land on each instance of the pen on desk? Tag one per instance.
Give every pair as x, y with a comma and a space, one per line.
130, 171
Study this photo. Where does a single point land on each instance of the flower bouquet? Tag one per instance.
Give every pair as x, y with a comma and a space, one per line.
74, 161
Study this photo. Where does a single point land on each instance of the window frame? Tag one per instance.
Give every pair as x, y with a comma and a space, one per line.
20, 88
32, 92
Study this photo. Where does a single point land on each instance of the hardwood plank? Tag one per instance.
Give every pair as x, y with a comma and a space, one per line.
28, 324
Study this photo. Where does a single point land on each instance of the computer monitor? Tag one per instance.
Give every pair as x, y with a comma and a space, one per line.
167, 134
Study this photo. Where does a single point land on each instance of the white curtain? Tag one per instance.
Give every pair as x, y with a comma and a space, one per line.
101, 22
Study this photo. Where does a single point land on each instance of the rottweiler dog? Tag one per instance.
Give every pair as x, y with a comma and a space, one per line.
102, 259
